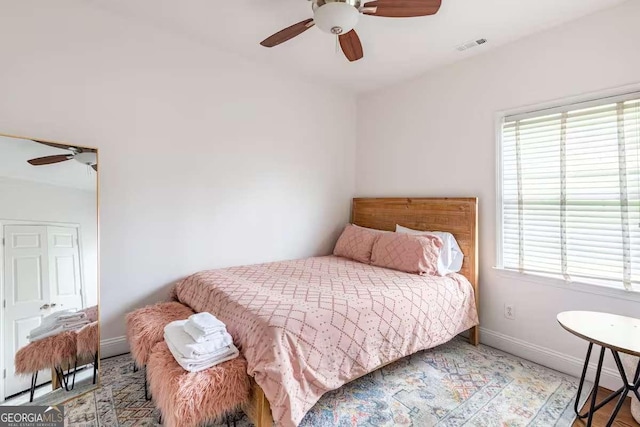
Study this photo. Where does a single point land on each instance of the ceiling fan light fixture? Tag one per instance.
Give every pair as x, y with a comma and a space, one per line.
336, 17
86, 158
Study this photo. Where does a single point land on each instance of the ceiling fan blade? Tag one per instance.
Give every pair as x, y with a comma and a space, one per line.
351, 46
401, 8
66, 146
52, 144
50, 159
94, 167
288, 33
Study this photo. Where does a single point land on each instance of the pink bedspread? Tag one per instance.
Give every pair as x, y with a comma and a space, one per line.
311, 325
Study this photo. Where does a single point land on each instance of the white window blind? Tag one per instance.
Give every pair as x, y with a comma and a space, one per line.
571, 192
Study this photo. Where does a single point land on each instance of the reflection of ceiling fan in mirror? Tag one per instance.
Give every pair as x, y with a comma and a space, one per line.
86, 156
339, 17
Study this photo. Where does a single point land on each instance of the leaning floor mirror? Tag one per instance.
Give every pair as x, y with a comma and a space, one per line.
48, 271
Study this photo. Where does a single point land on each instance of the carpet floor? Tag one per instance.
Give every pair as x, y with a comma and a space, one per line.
455, 384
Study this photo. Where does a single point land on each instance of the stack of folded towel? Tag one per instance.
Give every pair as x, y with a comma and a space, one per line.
200, 342
60, 321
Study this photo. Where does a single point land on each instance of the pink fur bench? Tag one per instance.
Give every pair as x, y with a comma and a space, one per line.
88, 340
145, 328
46, 353
51, 352
88, 345
189, 399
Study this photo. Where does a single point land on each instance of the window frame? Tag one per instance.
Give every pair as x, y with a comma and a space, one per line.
594, 98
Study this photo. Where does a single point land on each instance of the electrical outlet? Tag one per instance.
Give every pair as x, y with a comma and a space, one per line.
509, 311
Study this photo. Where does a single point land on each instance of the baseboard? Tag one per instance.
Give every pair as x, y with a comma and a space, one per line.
536, 353
610, 378
113, 346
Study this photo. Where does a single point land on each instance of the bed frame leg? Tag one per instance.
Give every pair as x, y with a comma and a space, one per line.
258, 410
474, 335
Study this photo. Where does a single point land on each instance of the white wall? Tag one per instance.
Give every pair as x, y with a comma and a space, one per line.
206, 159
436, 136
33, 201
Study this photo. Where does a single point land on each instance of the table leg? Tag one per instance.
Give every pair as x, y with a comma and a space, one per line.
627, 387
581, 383
595, 407
594, 393
636, 381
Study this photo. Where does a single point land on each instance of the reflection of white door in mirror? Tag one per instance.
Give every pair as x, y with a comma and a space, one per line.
64, 268
26, 293
42, 275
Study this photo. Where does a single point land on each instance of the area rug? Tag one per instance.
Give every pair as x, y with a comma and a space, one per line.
455, 384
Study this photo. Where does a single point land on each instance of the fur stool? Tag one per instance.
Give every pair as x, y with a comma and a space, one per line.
88, 344
51, 352
145, 328
91, 312
189, 399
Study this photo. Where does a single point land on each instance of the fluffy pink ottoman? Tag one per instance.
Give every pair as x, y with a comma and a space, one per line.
188, 399
51, 352
145, 327
46, 353
88, 342
91, 312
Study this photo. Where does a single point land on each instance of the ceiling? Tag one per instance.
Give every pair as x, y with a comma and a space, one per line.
14, 153
394, 48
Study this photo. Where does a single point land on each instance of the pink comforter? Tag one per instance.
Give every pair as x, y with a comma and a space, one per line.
311, 325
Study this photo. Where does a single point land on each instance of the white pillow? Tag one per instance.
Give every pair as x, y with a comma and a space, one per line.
451, 256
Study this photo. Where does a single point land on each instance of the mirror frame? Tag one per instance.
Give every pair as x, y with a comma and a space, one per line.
98, 284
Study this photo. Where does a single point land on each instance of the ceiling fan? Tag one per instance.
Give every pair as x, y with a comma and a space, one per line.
339, 17
86, 156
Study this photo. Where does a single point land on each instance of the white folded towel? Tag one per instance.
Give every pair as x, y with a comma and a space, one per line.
41, 335
74, 316
197, 365
72, 326
53, 317
59, 313
200, 337
38, 335
66, 323
206, 322
175, 333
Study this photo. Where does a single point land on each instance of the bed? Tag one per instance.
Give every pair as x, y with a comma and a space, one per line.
311, 325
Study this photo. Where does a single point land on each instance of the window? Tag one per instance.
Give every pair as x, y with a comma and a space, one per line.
571, 192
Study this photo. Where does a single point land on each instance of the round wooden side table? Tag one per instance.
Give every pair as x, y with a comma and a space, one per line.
619, 334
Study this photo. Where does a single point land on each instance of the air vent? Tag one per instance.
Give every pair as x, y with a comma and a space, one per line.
469, 45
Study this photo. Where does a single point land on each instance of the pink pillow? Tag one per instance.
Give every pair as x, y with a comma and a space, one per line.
356, 243
408, 253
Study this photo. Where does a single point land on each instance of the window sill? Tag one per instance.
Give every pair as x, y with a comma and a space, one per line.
577, 286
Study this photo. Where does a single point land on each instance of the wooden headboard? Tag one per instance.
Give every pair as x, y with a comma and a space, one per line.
458, 216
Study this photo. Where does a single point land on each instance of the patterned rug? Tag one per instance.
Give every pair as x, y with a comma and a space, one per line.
454, 384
